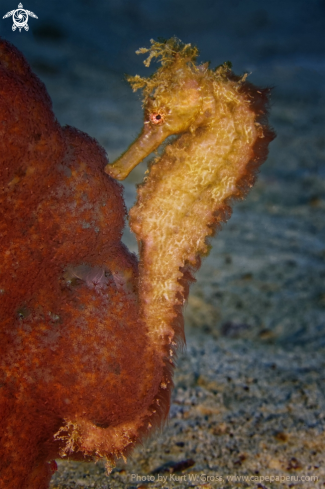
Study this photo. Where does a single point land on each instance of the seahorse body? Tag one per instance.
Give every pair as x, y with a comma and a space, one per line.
223, 139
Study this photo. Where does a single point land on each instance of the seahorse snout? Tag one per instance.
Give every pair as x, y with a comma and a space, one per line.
150, 139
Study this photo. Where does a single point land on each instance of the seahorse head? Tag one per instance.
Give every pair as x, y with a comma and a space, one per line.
173, 99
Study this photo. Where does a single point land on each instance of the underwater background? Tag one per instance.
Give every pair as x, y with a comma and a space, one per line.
249, 388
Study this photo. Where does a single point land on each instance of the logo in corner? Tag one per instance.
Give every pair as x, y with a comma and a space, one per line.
20, 18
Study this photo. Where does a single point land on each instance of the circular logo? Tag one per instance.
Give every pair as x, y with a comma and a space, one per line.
20, 18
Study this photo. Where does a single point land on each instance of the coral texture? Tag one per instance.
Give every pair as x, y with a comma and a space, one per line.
87, 339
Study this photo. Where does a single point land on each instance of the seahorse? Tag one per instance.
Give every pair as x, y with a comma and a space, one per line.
89, 336
222, 139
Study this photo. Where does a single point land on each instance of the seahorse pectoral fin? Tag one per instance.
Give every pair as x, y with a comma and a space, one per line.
150, 138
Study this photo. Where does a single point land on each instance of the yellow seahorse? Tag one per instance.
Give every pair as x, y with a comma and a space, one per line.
223, 138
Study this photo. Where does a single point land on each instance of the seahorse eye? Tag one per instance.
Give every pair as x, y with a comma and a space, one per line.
156, 118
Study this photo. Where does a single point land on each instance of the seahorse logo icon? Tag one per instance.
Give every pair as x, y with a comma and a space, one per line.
20, 18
